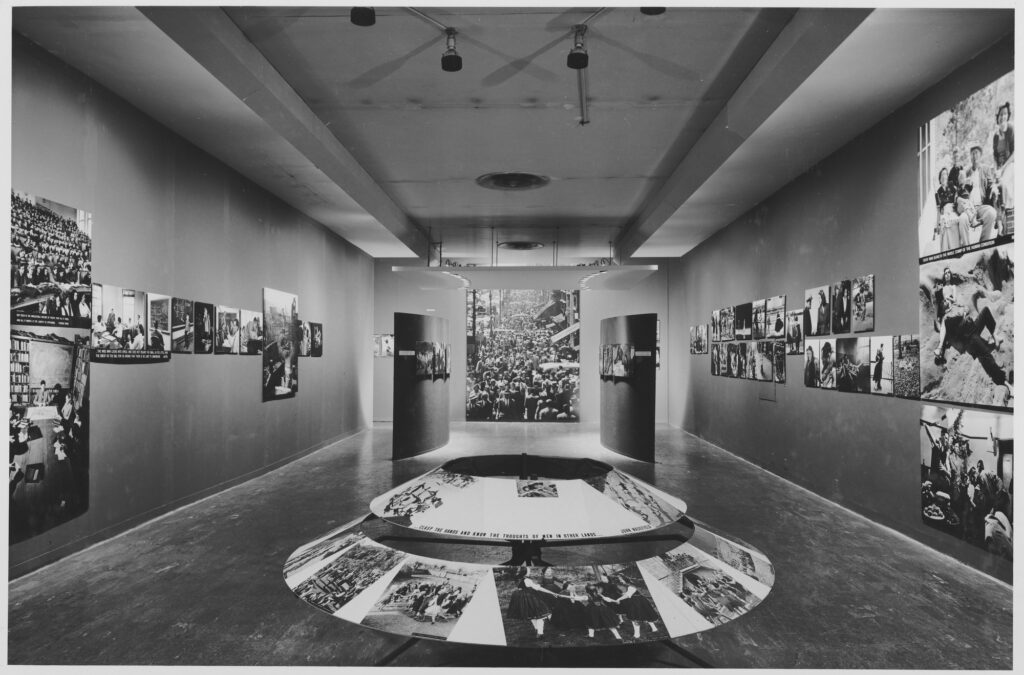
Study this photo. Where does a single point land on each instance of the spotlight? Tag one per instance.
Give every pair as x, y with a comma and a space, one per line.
578, 58
451, 62
362, 16
652, 11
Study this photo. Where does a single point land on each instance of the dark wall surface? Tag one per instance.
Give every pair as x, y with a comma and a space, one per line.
627, 404
167, 218
420, 401
853, 214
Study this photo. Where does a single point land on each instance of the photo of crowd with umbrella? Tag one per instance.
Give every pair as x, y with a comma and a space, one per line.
522, 355
51, 314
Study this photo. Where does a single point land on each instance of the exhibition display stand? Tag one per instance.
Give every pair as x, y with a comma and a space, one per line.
628, 401
420, 411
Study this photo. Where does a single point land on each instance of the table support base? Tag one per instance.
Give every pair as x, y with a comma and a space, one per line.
700, 663
396, 652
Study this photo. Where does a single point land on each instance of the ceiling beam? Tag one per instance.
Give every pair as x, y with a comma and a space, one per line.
806, 41
210, 37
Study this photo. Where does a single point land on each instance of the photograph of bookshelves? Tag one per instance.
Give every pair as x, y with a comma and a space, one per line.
20, 392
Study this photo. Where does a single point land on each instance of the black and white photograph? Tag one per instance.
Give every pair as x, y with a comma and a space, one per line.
700, 344
716, 358
159, 322
775, 317
812, 363
49, 428
317, 553
716, 326
693, 340
205, 320
387, 345
853, 365
764, 361
280, 352
727, 322
754, 358
906, 354
967, 328
759, 314
967, 172
440, 366
967, 476
731, 367
742, 321
424, 358
794, 332
863, 303
305, 338
605, 361
337, 583
779, 361
881, 365
842, 307
183, 328
743, 367
827, 363
51, 263
426, 598
536, 488
229, 330
251, 340
817, 312
623, 360
123, 336
625, 492
317, 350
529, 340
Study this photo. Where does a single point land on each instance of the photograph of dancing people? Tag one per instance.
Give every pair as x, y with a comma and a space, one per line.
522, 355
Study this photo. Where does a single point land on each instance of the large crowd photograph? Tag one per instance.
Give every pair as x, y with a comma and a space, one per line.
523, 350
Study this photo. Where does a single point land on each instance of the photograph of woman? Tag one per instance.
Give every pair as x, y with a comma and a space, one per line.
827, 365
529, 602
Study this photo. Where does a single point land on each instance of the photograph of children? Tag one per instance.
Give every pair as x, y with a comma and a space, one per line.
779, 361
51, 263
906, 353
716, 363
881, 365
727, 331
49, 428
794, 333
812, 351
280, 352
864, 304
251, 340
317, 350
715, 595
536, 488
348, 575
742, 369
967, 166
775, 321
576, 606
305, 338
623, 363
426, 598
731, 367
204, 318
387, 345
183, 330
693, 339
967, 476
159, 322
853, 365
817, 311
967, 328
424, 358
759, 317
841, 307
827, 371
716, 325
229, 330
742, 319
701, 343
764, 360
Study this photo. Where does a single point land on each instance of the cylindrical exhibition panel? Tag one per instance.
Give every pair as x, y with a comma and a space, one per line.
420, 413
627, 396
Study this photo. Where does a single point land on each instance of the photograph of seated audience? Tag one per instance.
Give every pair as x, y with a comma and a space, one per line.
523, 356
51, 254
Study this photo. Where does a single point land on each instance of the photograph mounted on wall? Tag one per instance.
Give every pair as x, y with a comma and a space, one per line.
743, 369
841, 307
764, 361
794, 332
251, 340
967, 328
731, 362
205, 316
49, 428
716, 334
604, 364
701, 342
305, 338
742, 320
159, 322
779, 361
716, 358
51, 263
122, 336
966, 171
229, 331
853, 365
623, 360
882, 365
727, 326
775, 323
811, 365
863, 303
759, 313
693, 339
439, 360
967, 476
317, 350
906, 354
424, 358
280, 353
817, 311
183, 329
827, 372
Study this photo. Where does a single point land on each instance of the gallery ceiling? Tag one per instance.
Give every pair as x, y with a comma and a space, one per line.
694, 115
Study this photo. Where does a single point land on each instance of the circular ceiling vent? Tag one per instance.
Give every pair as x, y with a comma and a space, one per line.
512, 180
520, 245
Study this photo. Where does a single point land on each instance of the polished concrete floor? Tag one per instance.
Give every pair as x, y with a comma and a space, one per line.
204, 586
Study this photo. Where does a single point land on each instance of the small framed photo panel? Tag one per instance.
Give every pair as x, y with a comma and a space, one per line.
280, 348
183, 328
205, 315
228, 330
604, 368
812, 369
742, 318
727, 331
841, 314
827, 363
701, 344
251, 342
881, 365
764, 363
864, 304
623, 361
906, 356
794, 332
387, 345
716, 359
376, 345
853, 365
693, 339
305, 338
752, 360
159, 322
317, 350
758, 321
447, 359
817, 311
731, 367
743, 372
716, 317
424, 358
779, 361
775, 321
439, 364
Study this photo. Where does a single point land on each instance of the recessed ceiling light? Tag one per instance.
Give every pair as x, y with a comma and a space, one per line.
520, 245
512, 180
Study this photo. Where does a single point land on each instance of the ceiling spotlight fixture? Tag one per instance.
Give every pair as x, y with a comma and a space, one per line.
451, 62
652, 11
512, 180
519, 245
578, 58
362, 16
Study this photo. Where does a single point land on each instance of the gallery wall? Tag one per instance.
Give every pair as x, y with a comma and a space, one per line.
167, 218
853, 214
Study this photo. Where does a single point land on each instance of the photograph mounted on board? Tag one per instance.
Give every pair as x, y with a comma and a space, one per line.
827, 363
280, 352
817, 311
743, 365
863, 303
742, 320
51, 263
882, 365
779, 361
731, 362
842, 313
794, 332
183, 329
759, 309
764, 361
701, 341
727, 326
967, 328
205, 315
305, 338
251, 340
716, 328
906, 354
122, 337
716, 358
967, 476
812, 352
317, 350
775, 322
229, 331
623, 360
159, 322
853, 365
424, 358
693, 339
966, 173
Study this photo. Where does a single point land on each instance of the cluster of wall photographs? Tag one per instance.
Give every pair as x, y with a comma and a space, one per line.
61, 322
617, 361
433, 359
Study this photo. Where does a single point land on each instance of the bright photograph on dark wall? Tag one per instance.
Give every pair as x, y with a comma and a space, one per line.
280, 351
863, 303
906, 354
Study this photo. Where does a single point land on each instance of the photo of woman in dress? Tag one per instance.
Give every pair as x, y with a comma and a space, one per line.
529, 602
